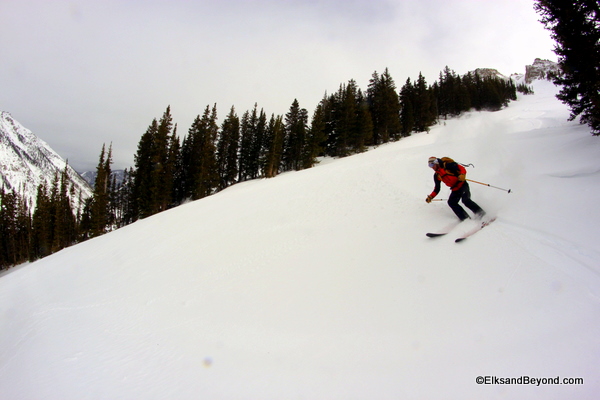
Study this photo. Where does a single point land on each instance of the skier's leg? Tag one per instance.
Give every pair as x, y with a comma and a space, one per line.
453, 203
466, 199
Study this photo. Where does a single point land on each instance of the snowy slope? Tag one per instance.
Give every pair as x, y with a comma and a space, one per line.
26, 161
321, 284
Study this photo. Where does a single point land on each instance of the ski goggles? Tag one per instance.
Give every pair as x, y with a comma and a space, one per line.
432, 163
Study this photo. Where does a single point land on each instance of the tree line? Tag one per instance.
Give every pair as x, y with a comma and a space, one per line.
210, 157
52, 226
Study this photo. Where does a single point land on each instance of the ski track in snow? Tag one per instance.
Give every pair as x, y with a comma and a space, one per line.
567, 256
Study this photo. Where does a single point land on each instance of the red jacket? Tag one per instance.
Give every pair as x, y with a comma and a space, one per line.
448, 175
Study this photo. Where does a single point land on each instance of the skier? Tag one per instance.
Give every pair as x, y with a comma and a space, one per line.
454, 176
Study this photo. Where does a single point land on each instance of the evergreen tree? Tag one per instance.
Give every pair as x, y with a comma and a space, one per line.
425, 112
384, 106
316, 139
462, 100
246, 141
5, 216
472, 83
14, 229
407, 109
99, 206
274, 145
64, 225
198, 154
227, 150
345, 117
295, 126
330, 106
172, 167
163, 164
126, 198
114, 203
349, 125
363, 125
183, 175
524, 89
253, 143
23, 230
491, 96
85, 220
155, 163
54, 201
259, 152
575, 26
42, 224
142, 196
447, 93
208, 180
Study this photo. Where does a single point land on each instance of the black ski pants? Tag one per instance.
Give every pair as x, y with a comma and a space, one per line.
464, 194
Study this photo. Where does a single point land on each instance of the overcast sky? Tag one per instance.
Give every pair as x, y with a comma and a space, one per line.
82, 73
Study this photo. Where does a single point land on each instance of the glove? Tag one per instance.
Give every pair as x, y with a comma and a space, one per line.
428, 199
462, 178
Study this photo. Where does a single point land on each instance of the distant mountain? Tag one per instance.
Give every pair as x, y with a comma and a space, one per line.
488, 73
90, 176
541, 70
26, 161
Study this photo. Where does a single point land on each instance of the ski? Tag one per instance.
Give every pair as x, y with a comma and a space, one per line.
433, 235
475, 230
444, 231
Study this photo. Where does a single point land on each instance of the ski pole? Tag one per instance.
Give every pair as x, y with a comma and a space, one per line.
487, 184
439, 199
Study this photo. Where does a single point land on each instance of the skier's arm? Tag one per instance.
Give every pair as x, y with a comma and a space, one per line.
436, 189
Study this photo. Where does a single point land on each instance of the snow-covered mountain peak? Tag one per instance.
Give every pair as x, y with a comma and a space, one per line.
26, 161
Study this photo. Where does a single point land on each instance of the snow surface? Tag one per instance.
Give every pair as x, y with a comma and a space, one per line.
321, 284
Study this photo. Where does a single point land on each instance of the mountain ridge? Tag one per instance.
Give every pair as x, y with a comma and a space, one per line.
26, 161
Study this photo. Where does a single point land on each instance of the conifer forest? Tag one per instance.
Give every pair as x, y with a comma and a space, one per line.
172, 167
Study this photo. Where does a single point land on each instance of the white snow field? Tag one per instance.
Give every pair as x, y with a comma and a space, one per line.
321, 284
